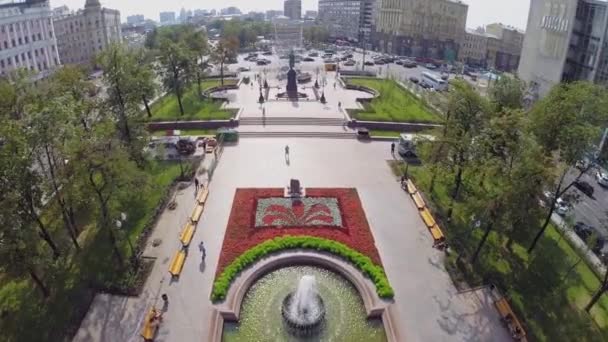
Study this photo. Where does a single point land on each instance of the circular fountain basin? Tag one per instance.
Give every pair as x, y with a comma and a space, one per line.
344, 319
305, 323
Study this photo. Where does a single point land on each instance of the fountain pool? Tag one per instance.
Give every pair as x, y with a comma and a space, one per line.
263, 318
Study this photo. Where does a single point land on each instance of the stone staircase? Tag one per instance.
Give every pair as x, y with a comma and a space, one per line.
298, 134
291, 121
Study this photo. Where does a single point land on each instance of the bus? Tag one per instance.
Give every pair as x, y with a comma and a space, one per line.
434, 81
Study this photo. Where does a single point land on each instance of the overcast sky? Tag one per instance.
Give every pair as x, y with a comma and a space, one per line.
481, 12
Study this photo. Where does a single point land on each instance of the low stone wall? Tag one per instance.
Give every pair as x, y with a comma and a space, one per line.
211, 124
393, 126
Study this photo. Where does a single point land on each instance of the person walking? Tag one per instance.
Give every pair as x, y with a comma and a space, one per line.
393, 148
201, 247
196, 184
287, 154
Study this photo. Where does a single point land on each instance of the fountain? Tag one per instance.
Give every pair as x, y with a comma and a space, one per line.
304, 310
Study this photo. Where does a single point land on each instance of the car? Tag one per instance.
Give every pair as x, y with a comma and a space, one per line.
267, 53
261, 62
561, 206
445, 77
308, 59
242, 69
602, 179
369, 63
313, 54
409, 64
349, 62
379, 62
430, 66
414, 79
584, 187
583, 230
399, 62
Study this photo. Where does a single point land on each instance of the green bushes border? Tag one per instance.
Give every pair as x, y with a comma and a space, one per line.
362, 262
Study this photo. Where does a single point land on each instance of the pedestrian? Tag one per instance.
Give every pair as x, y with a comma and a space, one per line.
195, 184
201, 247
334, 85
287, 150
403, 180
393, 148
339, 105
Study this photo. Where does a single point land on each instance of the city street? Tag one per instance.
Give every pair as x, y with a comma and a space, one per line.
591, 211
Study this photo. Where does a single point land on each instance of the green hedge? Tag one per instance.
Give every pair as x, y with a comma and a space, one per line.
362, 262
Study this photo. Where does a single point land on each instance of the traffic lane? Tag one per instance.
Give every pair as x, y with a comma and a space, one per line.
591, 211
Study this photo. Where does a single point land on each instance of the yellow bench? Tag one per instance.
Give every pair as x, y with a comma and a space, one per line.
419, 201
508, 316
411, 188
187, 233
437, 235
177, 263
427, 218
202, 196
151, 321
196, 214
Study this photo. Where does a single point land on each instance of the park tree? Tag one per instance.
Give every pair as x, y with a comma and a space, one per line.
567, 124
507, 93
176, 61
127, 78
223, 51
21, 181
603, 288
316, 34
197, 43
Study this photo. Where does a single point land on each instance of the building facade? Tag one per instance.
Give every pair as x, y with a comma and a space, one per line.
420, 28
565, 41
347, 19
86, 33
135, 19
27, 38
496, 47
474, 48
167, 18
292, 9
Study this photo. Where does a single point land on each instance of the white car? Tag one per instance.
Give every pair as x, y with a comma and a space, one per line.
561, 207
602, 178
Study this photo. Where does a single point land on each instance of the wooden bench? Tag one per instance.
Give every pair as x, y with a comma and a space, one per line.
151, 322
202, 196
411, 188
427, 217
418, 201
196, 214
438, 236
177, 263
187, 233
508, 316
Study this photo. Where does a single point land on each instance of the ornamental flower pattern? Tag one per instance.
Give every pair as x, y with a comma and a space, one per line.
309, 211
242, 233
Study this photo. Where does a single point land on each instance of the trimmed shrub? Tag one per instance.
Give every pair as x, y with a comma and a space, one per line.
374, 272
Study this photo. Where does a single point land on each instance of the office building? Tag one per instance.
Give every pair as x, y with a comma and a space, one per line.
271, 14
135, 19
474, 48
86, 33
292, 9
27, 38
496, 46
230, 11
565, 41
167, 18
311, 14
421, 28
288, 33
61, 11
347, 19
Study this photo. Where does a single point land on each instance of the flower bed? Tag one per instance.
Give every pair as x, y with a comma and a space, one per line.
333, 214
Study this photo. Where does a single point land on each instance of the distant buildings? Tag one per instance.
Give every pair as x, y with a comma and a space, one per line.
167, 18
288, 33
311, 14
84, 34
257, 16
565, 40
347, 19
271, 14
292, 9
496, 47
230, 11
135, 19
27, 38
425, 28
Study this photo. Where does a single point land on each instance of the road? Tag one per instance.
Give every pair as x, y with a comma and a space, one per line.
591, 211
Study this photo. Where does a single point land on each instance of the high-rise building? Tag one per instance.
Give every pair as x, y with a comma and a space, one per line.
565, 40
27, 38
425, 28
271, 14
347, 19
311, 14
167, 18
230, 11
135, 19
86, 33
292, 9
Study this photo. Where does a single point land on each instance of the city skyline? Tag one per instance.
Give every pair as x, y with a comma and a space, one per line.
481, 12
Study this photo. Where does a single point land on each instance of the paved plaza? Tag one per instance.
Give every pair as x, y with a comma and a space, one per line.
428, 306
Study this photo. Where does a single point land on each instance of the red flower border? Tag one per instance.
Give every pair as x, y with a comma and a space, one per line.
255, 207
241, 233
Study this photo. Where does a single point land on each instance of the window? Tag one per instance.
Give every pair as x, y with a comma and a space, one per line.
23, 56
27, 39
1, 63
51, 34
13, 41
33, 38
29, 55
35, 53
16, 58
5, 44
39, 36
20, 41
10, 28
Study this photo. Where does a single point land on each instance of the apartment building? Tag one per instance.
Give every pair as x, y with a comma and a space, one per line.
347, 19
86, 33
496, 46
27, 38
292, 9
421, 28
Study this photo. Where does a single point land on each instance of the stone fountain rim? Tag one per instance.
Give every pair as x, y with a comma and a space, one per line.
375, 307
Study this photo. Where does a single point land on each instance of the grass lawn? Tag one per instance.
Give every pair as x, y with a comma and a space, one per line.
548, 289
28, 317
195, 108
379, 133
394, 103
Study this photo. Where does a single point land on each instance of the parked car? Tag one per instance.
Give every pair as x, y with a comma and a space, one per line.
584, 231
584, 187
313, 54
369, 63
267, 53
242, 69
561, 206
430, 66
308, 59
602, 178
379, 62
445, 77
409, 64
399, 62
414, 79
350, 62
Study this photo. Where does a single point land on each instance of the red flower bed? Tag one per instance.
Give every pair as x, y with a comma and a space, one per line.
242, 233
